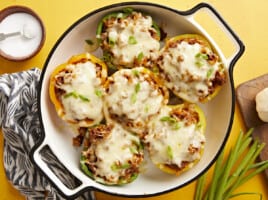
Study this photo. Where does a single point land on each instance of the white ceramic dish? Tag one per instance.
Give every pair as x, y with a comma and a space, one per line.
219, 112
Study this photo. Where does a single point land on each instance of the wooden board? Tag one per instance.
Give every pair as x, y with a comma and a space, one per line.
245, 96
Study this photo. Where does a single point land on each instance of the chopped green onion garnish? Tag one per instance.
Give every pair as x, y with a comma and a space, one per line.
200, 59
71, 94
132, 40
133, 150
133, 98
209, 73
111, 41
173, 122
199, 63
177, 126
146, 108
98, 93
83, 98
168, 119
169, 152
116, 167
140, 56
134, 95
137, 87
75, 95
202, 56
135, 72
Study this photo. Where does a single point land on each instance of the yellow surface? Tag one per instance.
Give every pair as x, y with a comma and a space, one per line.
248, 19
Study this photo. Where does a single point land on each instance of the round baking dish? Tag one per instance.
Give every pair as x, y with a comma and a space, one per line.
219, 112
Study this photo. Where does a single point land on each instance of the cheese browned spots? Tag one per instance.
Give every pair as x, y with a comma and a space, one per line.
133, 97
130, 41
112, 154
191, 69
175, 138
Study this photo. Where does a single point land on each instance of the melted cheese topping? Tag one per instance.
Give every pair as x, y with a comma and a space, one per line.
170, 142
113, 151
131, 39
132, 96
189, 75
80, 100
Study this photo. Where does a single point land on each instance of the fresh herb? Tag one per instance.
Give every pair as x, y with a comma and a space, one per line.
155, 70
137, 87
200, 59
240, 166
132, 40
209, 72
146, 108
140, 56
134, 95
71, 94
83, 98
199, 63
177, 126
172, 121
201, 56
76, 96
168, 119
135, 72
133, 150
111, 41
169, 152
98, 93
116, 167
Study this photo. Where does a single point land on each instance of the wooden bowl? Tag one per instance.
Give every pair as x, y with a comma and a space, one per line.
41, 39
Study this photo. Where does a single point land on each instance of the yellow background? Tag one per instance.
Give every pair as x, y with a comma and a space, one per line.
246, 17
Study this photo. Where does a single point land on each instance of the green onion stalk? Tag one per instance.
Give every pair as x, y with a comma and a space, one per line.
239, 166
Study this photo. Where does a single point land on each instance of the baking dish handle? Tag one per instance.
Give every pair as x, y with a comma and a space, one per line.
238, 44
70, 192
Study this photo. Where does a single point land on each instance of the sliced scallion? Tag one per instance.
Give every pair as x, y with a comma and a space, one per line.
239, 166
98, 93
169, 152
132, 40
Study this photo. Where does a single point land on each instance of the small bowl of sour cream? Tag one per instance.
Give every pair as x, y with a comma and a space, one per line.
22, 33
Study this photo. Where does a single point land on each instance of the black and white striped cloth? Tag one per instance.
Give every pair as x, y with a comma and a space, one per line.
21, 130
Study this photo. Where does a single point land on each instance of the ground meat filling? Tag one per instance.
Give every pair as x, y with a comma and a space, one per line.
175, 138
133, 97
130, 41
109, 160
75, 86
190, 69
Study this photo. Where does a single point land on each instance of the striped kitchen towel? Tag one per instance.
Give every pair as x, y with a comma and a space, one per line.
21, 130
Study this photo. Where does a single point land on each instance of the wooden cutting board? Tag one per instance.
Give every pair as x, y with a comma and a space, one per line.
245, 96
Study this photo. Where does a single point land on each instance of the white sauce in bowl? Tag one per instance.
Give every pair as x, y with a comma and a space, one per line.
20, 46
